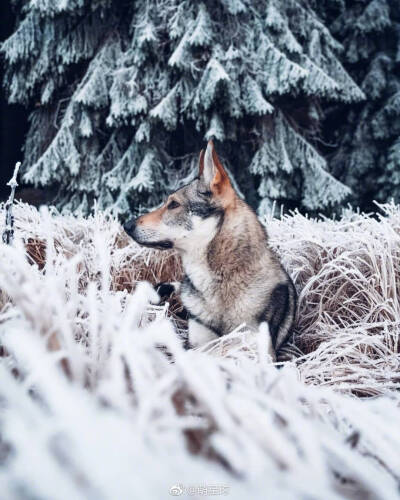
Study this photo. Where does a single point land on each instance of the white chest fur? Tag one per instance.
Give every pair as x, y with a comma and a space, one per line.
200, 293
194, 260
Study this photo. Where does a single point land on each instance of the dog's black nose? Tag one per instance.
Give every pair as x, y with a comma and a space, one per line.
130, 226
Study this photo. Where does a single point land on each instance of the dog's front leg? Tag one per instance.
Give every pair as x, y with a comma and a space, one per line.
199, 334
166, 289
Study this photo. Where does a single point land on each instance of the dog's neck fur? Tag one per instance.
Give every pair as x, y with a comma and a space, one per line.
234, 250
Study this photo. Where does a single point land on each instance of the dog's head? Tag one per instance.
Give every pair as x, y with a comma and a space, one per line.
190, 217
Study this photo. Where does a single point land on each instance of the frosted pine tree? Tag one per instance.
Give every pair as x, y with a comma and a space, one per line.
367, 137
125, 94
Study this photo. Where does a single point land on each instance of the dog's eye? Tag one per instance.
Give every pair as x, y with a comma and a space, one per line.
207, 194
173, 204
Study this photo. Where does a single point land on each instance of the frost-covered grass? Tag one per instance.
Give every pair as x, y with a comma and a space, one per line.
99, 400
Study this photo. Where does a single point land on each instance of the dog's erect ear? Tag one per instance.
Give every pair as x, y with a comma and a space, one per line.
201, 163
213, 172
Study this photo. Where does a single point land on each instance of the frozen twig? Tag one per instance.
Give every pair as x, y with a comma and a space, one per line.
8, 233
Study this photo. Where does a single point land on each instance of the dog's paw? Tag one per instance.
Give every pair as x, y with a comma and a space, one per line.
164, 290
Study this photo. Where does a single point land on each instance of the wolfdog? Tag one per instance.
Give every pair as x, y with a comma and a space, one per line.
231, 275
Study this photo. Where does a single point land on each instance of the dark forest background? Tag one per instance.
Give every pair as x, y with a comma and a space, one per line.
13, 118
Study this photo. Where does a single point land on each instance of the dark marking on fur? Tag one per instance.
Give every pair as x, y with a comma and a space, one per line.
292, 311
276, 310
205, 210
164, 290
206, 193
160, 245
187, 283
214, 329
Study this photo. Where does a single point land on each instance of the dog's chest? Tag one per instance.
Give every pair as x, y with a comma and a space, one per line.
214, 302
222, 304
200, 290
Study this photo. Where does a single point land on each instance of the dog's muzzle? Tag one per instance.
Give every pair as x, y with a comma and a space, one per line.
144, 238
129, 227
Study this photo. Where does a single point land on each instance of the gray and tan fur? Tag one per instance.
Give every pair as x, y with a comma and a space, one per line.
231, 274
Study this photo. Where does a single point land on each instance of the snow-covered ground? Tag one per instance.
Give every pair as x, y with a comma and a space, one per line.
99, 400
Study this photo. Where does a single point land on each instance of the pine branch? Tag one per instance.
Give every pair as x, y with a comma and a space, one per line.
8, 233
